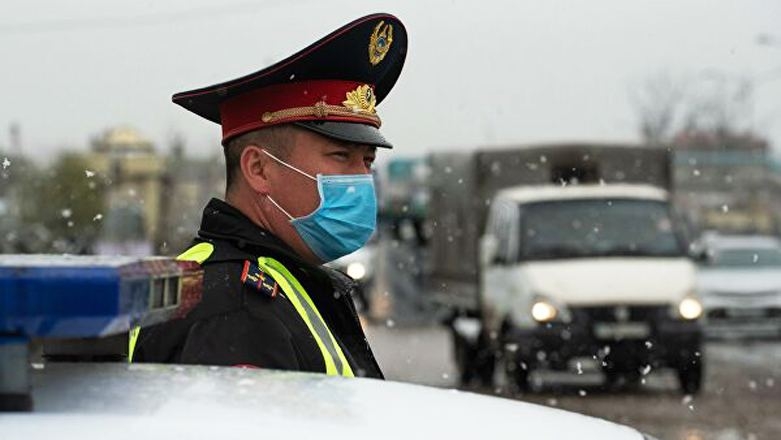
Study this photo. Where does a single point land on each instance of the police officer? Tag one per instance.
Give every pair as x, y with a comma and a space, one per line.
299, 140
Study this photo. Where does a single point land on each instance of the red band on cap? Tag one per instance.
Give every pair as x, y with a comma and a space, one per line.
319, 100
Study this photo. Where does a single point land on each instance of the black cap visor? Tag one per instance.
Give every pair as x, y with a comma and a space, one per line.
347, 132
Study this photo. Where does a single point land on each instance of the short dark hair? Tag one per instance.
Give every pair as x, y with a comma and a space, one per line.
276, 139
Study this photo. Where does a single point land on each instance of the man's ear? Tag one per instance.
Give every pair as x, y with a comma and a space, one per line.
254, 166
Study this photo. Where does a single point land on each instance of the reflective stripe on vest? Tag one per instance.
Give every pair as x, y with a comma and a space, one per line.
198, 253
335, 362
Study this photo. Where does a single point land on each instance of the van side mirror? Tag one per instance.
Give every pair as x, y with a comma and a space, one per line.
700, 257
699, 253
489, 248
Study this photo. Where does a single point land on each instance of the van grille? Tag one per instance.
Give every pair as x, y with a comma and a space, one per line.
620, 313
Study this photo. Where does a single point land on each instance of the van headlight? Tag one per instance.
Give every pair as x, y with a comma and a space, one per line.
356, 270
690, 308
544, 311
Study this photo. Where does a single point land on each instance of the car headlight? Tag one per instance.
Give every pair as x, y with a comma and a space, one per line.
690, 308
356, 270
543, 311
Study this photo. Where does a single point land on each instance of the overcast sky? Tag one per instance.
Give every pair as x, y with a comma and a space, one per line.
478, 72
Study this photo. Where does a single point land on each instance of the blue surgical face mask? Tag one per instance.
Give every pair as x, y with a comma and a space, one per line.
345, 219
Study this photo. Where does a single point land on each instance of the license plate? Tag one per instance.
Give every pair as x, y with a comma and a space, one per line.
623, 330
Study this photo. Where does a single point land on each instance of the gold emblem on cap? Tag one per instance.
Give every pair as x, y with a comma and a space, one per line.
361, 100
359, 105
380, 42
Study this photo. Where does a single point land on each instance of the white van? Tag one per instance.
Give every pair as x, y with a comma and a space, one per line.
590, 274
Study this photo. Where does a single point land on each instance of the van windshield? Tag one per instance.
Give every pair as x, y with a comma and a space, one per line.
597, 228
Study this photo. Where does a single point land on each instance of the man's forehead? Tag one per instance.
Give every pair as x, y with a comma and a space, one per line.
309, 139
354, 146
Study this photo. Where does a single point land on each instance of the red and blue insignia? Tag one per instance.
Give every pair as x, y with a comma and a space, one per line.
258, 280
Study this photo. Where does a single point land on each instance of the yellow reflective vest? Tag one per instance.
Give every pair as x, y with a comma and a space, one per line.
336, 363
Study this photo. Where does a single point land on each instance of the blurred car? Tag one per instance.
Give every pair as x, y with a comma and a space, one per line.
360, 266
740, 286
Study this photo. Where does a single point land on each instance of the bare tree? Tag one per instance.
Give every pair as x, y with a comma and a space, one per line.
658, 103
711, 105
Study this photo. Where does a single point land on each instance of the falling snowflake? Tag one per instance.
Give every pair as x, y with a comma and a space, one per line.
66, 213
523, 366
89, 173
6, 163
97, 218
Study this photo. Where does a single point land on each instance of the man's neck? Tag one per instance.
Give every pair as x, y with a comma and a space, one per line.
252, 206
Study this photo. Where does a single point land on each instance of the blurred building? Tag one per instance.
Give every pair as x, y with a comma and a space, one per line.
188, 184
134, 171
728, 183
154, 200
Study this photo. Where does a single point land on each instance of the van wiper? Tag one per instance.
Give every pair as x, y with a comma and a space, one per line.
555, 252
632, 251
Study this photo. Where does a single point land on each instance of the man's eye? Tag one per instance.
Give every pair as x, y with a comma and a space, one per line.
341, 155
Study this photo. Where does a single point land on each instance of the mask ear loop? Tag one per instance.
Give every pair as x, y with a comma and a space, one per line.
279, 207
281, 162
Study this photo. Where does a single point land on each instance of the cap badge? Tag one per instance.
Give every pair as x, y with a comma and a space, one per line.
380, 42
361, 100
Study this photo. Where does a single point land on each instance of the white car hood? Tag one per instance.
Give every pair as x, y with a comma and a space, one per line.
98, 401
612, 280
747, 281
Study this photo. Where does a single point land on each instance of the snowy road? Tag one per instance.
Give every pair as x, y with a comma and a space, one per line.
741, 398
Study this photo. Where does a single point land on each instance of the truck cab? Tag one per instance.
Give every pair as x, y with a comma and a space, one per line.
597, 275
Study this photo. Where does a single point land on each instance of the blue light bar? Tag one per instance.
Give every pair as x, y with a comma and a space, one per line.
56, 296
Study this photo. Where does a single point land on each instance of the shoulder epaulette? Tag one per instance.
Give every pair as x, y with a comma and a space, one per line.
253, 277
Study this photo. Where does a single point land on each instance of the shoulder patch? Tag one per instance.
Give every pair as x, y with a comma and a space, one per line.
258, 280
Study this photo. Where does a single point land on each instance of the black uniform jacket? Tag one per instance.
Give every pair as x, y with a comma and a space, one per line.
235, 324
